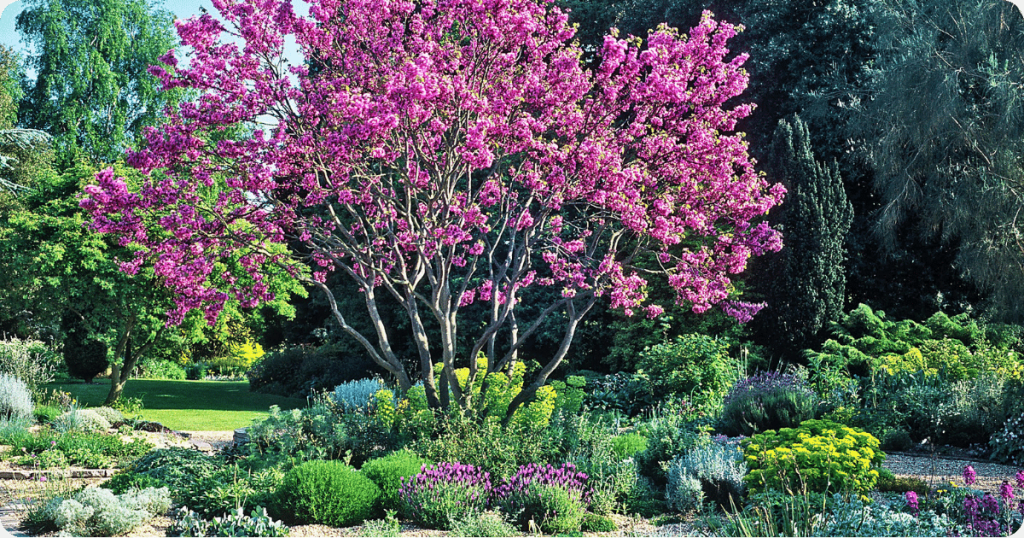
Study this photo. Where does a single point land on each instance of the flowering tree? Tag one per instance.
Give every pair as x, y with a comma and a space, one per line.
447, 152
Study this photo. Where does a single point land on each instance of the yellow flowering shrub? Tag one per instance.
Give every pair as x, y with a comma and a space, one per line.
502, 388
820, 456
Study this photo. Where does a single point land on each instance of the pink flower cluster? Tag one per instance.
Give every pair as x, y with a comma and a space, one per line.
443, 140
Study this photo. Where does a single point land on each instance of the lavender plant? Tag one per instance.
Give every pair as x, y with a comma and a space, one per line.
440, 494
768, 401
553, 497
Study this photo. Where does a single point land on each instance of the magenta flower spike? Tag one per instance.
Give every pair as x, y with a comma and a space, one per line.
970, 477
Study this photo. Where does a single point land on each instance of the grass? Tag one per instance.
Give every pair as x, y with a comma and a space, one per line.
188, 405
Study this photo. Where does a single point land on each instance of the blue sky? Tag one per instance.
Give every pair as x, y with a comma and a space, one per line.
182, 9
9, 36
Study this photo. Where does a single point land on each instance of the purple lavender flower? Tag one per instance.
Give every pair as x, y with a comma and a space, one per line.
970, 477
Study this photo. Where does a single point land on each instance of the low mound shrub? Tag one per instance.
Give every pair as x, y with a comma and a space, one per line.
388, 473
127, 481
628, 444
818, 456
768, 401
597, 523
81, 420
99, 512
329, 493
718, 468
553, 497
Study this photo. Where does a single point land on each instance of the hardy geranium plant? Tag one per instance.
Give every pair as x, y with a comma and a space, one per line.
450, 154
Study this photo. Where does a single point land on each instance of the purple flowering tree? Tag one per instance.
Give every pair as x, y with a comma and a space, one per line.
447, 153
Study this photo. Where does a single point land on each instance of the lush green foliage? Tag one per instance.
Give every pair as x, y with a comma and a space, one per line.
554, 509
388, 473
30, 361
694, 366
444, 493
128, 480
485, 524
628, 444
768, 401
180, 468
328, 492
303, 371
597, 523
818, 456
49, 449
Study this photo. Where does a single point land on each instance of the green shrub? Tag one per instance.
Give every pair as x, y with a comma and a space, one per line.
487, 524
694, 366
153, 368
45, 414
628, 444
819, 456
85, 357
111, 415
645, 499
898, 440
81, 420
233, 487
127, 481
887, 482
30, 361
597, 523
488, 445
328, 492
768, 401
180, 468
684, 492
555, 509
388, 472
666, 437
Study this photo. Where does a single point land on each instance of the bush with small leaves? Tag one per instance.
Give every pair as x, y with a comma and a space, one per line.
81, 420
45, 414
28, 360
553, 497
234, 523
486, 524
628, 444
15, 398
597, 523
684, 492
99, 512
180, 468
111, 415
719, 469
443, 493
819, 455
355, 396
388, 473
768, 401
328, 492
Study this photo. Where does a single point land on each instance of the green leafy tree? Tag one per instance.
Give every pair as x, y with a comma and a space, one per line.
92, 91
20, 149
53, 267
805, 282
945, 119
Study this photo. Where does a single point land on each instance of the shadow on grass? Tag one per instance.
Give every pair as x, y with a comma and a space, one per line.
158, 394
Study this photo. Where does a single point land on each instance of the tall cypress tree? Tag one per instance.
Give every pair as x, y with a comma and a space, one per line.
804, 283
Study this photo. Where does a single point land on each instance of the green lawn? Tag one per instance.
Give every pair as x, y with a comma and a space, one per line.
188, 405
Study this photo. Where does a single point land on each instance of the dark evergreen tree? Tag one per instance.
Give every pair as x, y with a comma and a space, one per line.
805, 282
84, 354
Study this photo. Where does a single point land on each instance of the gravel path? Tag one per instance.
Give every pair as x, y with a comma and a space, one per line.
941, 471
